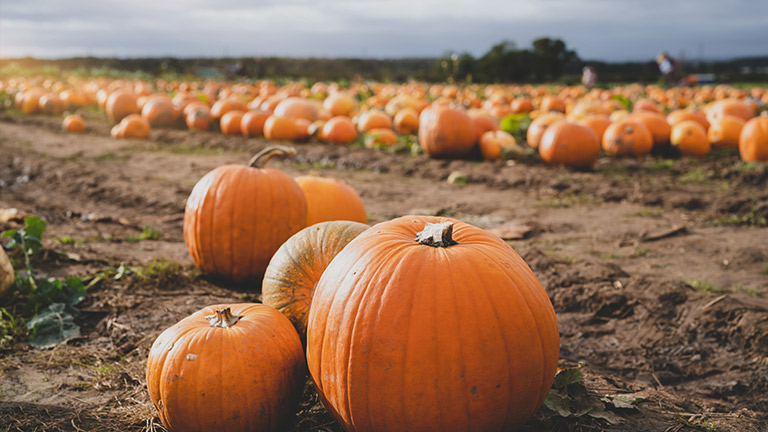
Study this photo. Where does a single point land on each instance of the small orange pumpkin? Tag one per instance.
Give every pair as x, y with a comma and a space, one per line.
656, 124
159, 111
339, 130
252, 123
297, 107
627, 137
228, 367
407, 121
280, 128
134, 126
569, 144
725, 131
493, 144
230, 122
198, 117
340, 104
296, 267
73, 123
690, 138
373, 119
380, 138
539, 125
120, 104
445, 131
753, 140
330, 199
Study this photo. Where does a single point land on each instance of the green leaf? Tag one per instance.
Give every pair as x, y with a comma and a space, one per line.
515, 124
624, 101
606, 415
35, 226
558, 404
566, 377
52, 326
625, 401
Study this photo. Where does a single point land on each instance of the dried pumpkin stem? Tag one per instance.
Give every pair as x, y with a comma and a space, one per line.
223, 318
437, 235
261, 158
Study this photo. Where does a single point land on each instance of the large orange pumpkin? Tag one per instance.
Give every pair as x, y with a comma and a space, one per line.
753, 140
120, 104
570, 144
445, 131
237, 216
339, 130
294, 270
426, 323
230, 122
627, 137
159, 111
280, 128
235, 368
330, 199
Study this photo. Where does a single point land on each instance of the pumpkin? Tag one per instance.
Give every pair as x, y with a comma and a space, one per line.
647, 105
339, 130
373, 119
521, 105
380, 138
539, 125
407, 121
656, 124
7, 276
73, 123
493, 144
552, 103
753, 140
679, 115
120, 104
569, 144
134, 126
483, 123
51, 104
252, 123
230, 122
445, 131
627, 137
159, 111
229, 367
597, 122
280, 128
198, 118
427, 323
296, 267
690, 138
330, 199
223, 106
237, 216
296, 108
734, 107
340, 104
725, 131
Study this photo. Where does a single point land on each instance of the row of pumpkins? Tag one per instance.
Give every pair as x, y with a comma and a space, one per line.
452, 124
417, 323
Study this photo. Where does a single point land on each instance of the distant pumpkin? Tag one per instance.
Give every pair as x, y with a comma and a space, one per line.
330, 199
446, 132
569, 144
753, 140
73, 123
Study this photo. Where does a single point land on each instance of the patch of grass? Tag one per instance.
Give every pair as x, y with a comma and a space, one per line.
696, 175
750, 219
564, 258
147, 234
663, 165
754, 292
108, 156
704, 286
748, 167
764, 270
641, 252
617, 171
68, 240
103, 370
606, 255
569, 200
318, 165
163, 273
697, 424
13, 328
647, 212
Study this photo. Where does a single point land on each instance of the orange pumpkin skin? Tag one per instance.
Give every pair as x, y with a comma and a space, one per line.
597, 122
539, 125
159, 111
339, 130
120, 104
444, 131
134, 126
296, 108
252, 124
245, 377
340, 104
569, 144
656, 123
230, 122
330, 199
232, 237
198, 117
627, 137
73, 123
280, 128
373, 119
753, 140
690, 138
724, 132
493, 144
380, 138
296, 267
679, 115
223, 106
403, 336
407, 121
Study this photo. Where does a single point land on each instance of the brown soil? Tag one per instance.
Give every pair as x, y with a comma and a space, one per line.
657, 268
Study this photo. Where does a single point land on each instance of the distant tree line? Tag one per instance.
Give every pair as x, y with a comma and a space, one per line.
546, 60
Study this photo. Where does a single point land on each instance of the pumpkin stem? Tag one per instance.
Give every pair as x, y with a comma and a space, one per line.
261, 158
223, 318
437, 235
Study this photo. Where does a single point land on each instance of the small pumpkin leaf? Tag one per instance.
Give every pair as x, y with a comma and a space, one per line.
565, 377
624, 401
558, 404
52, 326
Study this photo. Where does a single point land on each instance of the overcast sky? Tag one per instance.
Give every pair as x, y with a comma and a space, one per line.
610, 30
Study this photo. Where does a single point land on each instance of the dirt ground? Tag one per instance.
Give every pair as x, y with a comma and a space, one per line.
658, 269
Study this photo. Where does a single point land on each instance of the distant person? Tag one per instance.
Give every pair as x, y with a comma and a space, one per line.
589, 77
669, 68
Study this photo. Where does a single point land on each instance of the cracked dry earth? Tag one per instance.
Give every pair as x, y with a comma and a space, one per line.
657, 268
